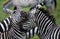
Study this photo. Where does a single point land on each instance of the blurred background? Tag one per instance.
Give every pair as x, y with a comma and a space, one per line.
55, 13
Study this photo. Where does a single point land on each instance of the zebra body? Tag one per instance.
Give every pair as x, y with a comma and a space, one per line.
18, 33
46, 23
4, 25
34, 31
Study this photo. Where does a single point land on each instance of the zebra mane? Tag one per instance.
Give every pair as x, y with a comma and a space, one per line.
46, 12
48, 15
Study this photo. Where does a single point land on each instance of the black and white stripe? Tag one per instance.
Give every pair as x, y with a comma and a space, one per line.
15, 32
46, 23
31, 28
18, 33
4, 25
34, 31
9, 30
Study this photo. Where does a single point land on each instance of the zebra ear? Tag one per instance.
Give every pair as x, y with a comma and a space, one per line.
41, 4
15, 8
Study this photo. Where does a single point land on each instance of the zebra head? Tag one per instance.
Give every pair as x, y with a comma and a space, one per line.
33, 10
31, 22
18, 16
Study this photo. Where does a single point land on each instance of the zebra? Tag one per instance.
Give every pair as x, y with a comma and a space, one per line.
48, 28
16, 17
4, 27
16, 32
31, 28
6, 34
4, 24
28, 3
32, 32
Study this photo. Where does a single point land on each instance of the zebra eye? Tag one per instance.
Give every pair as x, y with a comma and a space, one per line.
14, 12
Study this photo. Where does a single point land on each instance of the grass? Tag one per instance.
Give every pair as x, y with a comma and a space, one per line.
2, 14
56, 13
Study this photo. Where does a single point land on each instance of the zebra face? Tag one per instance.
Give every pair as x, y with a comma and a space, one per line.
34, 10
16, 16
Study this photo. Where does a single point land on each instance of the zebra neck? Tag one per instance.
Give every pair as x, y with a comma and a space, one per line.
18, 27
17, 32
45, 23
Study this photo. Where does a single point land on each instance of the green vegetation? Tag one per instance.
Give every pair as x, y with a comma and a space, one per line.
2, 15
56, 13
